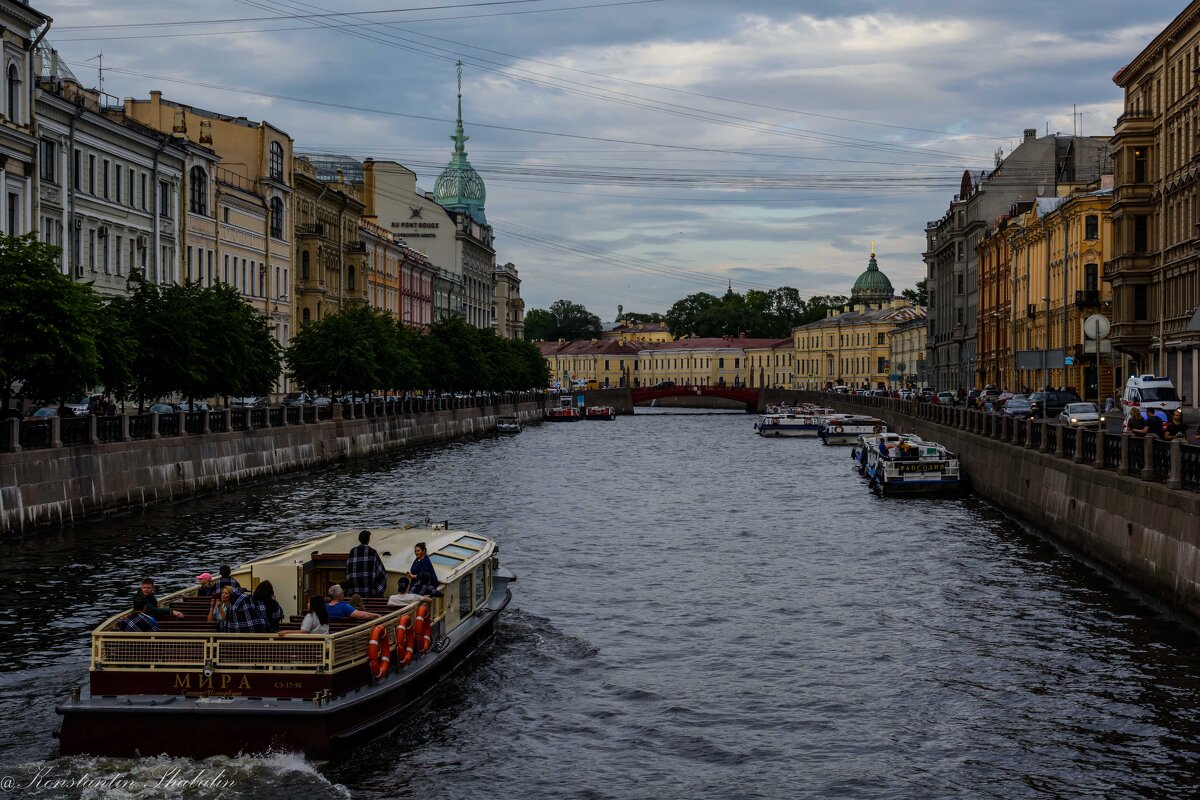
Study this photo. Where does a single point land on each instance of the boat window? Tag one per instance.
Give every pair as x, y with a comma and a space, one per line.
455, 550
480, 587
472, 541
444, 560
464, 596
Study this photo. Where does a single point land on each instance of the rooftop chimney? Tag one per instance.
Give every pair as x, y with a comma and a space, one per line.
1030, 134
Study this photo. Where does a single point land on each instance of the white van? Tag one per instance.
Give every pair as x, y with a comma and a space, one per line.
1149, 393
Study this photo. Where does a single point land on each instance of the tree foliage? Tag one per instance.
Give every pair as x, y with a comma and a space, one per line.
758, 314
563, 320
918, 296
47, 324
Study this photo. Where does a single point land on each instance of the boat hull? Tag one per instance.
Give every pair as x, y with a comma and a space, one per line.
147, 725
809, 431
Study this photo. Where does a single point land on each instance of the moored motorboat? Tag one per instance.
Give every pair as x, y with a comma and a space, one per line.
600, 412
563, 414
191, 690
913, 466
839, 429
508, 425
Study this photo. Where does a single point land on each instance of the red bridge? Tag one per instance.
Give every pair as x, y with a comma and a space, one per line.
740, 394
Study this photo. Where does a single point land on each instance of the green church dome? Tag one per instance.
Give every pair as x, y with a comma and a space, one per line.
872, 287
459, 187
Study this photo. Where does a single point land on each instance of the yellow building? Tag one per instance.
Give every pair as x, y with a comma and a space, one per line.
331, 254
508, 309
851, 348
399, 279
593, 363
906, 352
1058, 250
721, 361
239, 221
771, 365
626, 331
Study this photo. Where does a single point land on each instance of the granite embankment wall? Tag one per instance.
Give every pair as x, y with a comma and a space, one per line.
51, 487
1135, 525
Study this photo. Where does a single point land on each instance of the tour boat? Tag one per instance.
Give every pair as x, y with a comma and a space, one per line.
563, 414
846, 428
921, 468
600, 412
800, 421
508, 425
188, 690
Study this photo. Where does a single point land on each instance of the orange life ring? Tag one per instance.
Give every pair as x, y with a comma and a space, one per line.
879, 429
421, 628
378, 652
404, 641
838, 429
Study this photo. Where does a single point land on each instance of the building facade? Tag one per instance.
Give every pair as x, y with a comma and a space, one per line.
19, 23
1058, 249
331, 254
716, 361
1038, 167
770, 366
1155, 266
399, 279
238, 223
637, 331
906, 351
109, 189
591, 363
508, 315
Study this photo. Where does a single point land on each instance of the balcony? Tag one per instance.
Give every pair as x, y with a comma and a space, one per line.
311, 229
1087, 298
1135, 116
356, 247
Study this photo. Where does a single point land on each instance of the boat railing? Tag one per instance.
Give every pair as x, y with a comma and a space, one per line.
171, 650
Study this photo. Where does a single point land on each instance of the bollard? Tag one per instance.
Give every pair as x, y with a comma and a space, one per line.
1148, 457
153, 424
1175, 478
125, 437
1059, 435
204, 421
1123, 466
1078, 457
1099, 460
93, 436
181, 421
1047, 439
14, 434
55, 431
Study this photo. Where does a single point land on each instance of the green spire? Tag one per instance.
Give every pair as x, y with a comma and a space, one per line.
459, 187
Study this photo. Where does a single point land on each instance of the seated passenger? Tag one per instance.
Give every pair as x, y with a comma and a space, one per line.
218, 612
152, 607
907, 452
356, 601
226, 579
245, 615
268, 607
138, 621
207, 589
421, 571
316, 621
340, 609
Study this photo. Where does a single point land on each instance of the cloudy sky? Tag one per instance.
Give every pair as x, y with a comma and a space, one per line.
637, 152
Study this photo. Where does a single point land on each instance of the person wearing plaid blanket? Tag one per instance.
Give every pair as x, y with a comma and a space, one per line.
365, 573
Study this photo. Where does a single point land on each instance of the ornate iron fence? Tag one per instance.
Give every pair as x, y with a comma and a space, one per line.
1137, 453
193, 423
275, 415
216, 422
1037, 434
74, 431
1087, 444
1190, 472
35, 435
139, 426
258, 418
1160, 459
1069, 437
1112, 452
168, 424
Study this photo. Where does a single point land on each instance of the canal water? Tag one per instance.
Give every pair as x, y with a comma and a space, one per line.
700, 613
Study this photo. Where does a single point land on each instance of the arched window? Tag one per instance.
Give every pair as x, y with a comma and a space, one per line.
198, 194
350, 280
304, 266
276, 165
276, 217
14, 94
307, 315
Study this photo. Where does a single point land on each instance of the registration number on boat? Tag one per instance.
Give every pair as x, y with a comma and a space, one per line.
920, 467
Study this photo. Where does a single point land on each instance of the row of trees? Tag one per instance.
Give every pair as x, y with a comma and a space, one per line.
766, 315
360, 350
59, 337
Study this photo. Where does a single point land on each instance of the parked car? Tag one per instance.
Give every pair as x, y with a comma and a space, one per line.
945, 398
664, 385
84, 405
44, 414
1016, 406
197, 405
161, 408
249, 402
293, 399
1050, 403
321, 401
1080, 415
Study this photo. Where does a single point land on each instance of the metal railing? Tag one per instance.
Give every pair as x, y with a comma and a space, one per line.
1160, 459
1069, 437
75, 430
1112, 452
1137, 454
193, 423
1087, 446
168, 425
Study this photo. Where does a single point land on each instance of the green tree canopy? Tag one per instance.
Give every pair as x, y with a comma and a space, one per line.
48, 324
681, 317
918, 296
563, 320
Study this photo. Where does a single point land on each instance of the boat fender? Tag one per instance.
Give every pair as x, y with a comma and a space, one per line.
378, 652
404, 640
421, 628
838, 429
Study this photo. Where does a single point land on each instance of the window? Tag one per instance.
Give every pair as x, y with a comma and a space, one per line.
130, 195
107, 271
1091, 227
304, 266
164, 199
276, 218
76, 168
14, 214
881, 338
144, 200
117, 255
1140, 163
48, 152
117, 185
92, 249
104, 179
77, 249
1141, 233
962, 251
276, 165
188, 265
480, 585
350, 279
91, 174
14, 94
720, 363
198, 191
226, 268
737, 363
464, 595
305, 316
1091, 277
1140, 311
960, 284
